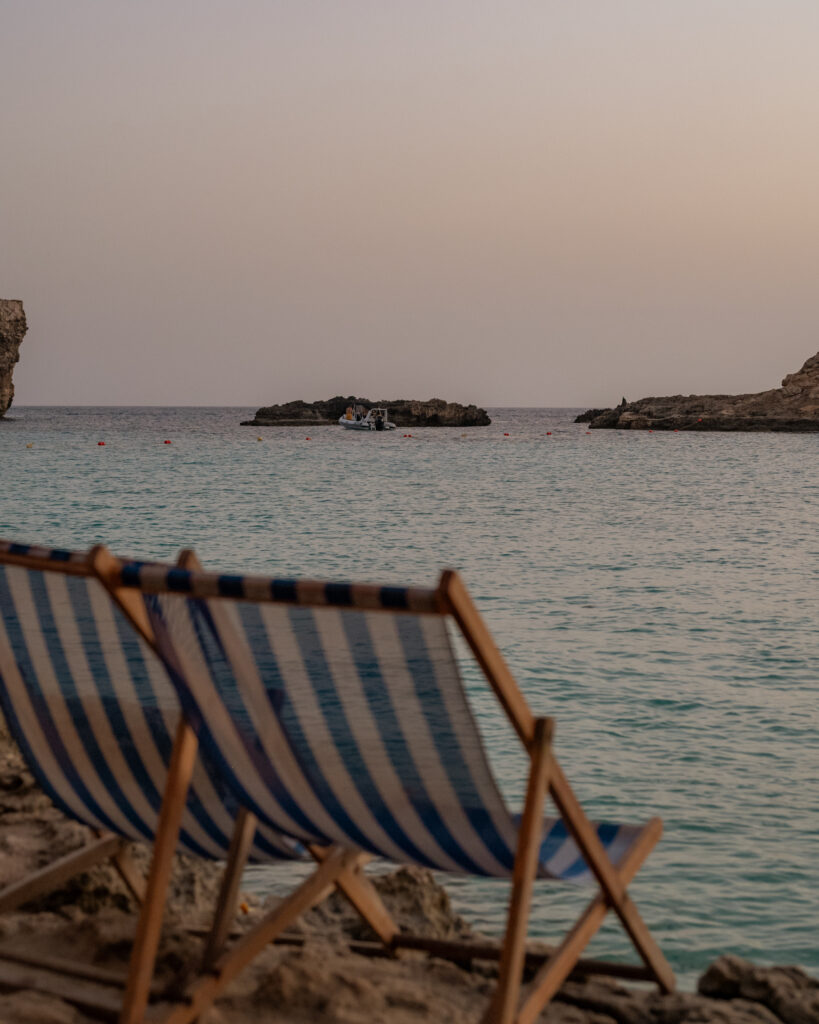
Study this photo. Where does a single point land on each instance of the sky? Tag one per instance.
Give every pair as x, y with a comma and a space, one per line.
527, 203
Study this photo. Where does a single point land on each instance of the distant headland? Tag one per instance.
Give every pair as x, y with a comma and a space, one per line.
793, 407
12, 332
404, 411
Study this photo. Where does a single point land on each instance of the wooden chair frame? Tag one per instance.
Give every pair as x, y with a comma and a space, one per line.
342, 869
128, 996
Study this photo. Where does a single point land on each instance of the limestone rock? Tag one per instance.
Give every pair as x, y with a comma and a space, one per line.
787, 992
793, 407
403, 411
12, 331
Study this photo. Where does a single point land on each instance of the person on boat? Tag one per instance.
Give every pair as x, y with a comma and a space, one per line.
348, 415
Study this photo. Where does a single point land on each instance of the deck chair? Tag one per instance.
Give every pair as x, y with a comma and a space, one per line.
98, 721
337, 715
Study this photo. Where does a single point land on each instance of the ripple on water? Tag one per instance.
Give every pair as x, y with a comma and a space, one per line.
656, 593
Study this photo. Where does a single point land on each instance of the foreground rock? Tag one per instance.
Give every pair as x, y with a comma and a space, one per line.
404, 412
12, 331
793, 407
316, 978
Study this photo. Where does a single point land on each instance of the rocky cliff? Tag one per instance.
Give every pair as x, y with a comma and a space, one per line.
403, 411
12, 330
792, 407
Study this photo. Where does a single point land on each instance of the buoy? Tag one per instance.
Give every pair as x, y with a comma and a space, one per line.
307, 439
699, 420
676, 430
548, 433
651, 431
506, 435
588, 432
167, 442
244, 907
101, 444
258, 439
30, 445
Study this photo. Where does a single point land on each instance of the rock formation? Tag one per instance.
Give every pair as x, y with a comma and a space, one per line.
12, 330
404, 412
793, 407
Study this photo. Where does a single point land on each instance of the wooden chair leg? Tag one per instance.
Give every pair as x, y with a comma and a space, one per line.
610, 879
561, 962
59, 871
504, 1001
129, 873
149, 925
312, 891
362, 894
240, 843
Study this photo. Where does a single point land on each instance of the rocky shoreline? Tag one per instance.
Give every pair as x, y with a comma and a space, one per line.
403, 411
794, 408
318, 977
12, 331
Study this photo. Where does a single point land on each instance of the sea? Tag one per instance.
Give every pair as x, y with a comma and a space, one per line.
655, 592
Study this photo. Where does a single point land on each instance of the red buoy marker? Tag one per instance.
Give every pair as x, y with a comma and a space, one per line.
167, 442
101, 444
548, 433
506, 435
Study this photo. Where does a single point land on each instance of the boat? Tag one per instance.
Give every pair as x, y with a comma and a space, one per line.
359, 418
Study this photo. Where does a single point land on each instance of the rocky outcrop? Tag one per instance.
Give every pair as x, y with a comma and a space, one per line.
404, 412
792, 407
12, 331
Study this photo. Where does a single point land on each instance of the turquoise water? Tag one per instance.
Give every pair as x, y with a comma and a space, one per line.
657, 593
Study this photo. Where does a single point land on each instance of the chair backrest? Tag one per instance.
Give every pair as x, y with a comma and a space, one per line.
93, 710
335, 711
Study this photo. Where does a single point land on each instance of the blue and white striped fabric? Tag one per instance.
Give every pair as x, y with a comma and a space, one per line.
335, 724
95, 714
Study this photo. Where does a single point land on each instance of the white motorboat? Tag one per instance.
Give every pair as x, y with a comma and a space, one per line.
359, 418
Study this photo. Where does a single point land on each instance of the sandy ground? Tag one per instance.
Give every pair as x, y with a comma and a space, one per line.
93, 918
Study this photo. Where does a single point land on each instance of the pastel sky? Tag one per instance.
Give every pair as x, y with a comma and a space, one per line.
520, 203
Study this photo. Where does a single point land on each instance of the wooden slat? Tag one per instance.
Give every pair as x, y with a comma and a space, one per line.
149, 924
456, 599
88, 995
60, 871
44, 564
466, 952
530, 833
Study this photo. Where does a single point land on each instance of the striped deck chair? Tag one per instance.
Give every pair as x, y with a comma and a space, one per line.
337, 716
98, 720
